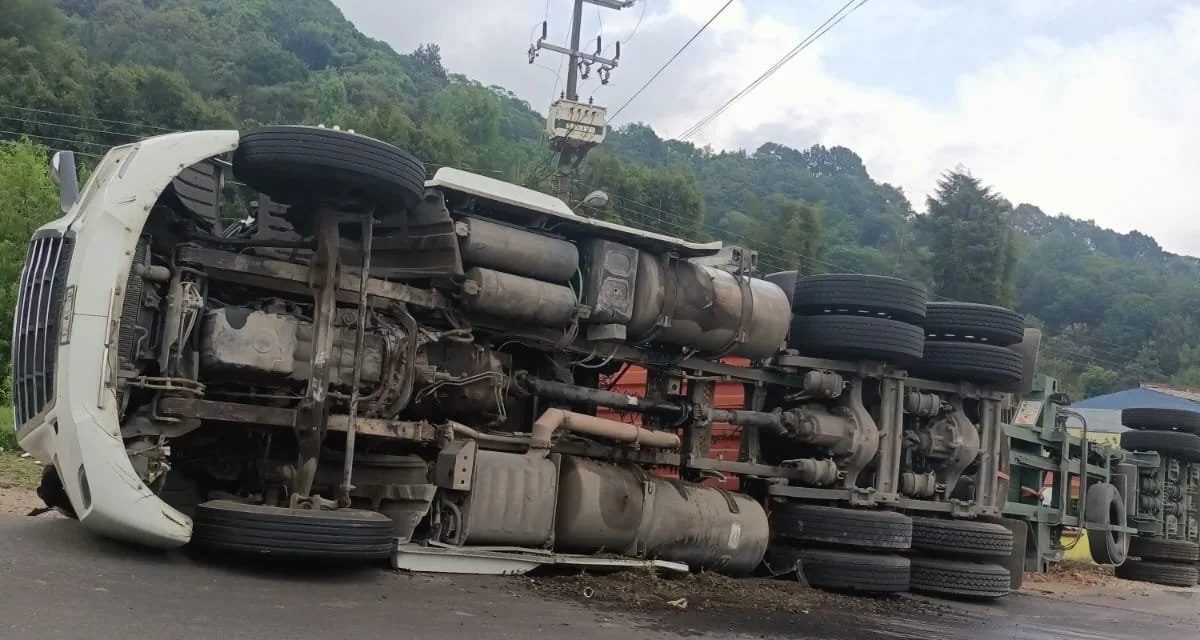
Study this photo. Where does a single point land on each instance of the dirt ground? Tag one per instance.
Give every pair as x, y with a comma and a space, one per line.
19, 479
647, 592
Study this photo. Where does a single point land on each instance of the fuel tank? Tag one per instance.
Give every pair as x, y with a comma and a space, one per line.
622, 508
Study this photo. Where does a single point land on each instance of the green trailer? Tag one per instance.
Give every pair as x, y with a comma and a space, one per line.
1140, 503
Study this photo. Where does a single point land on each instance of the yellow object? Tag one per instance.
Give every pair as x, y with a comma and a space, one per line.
1081, 552
1113, 439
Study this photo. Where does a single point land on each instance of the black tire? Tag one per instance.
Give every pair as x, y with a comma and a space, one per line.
959, 579
983, 364
843, 570
856, 337
344, 535
1171, 575
1161, 420
857, 528
964, 538
292, 164
1182, 446
1164, 549
852, 293
971, 322
1104, 506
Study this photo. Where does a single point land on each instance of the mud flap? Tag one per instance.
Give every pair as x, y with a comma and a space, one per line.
1015, 563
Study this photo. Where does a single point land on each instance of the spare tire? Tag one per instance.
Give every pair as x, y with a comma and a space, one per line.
856, 337
1148, 419
982, 364
971, 322
854, 294
295, 164
347, 535
1104, 507
1182, 446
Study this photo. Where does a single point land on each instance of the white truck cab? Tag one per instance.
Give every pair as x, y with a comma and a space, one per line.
69, 303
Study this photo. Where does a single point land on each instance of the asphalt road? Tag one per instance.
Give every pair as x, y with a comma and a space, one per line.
60, 582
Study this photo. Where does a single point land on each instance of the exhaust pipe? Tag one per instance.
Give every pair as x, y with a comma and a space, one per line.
554, 419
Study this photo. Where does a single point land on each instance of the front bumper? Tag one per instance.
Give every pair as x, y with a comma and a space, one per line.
74, 424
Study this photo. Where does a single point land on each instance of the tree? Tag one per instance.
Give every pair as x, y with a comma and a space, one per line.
973, 255
789, 236
1097, 381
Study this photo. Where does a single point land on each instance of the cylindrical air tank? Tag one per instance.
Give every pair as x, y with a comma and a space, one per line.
621, 508
524, 253
504, 295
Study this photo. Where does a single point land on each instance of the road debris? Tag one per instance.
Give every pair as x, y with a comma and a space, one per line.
646, 591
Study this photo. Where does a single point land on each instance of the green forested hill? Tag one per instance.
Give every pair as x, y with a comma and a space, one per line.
87, 74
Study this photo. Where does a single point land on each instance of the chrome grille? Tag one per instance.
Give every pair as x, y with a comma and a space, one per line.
36, 324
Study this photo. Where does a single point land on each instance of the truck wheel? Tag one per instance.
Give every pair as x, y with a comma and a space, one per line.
345, 534
1171, 575
959, 579
1106, 507
1184, 446
292, 164
856, 337
852, 294
962, 538
1161, 420
970, 322
1164, 549
843, 570
982, 364
840, 526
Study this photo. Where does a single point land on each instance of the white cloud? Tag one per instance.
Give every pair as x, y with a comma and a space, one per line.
1105, 130
1098, 125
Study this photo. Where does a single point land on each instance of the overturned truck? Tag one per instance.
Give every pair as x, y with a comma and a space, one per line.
375, 364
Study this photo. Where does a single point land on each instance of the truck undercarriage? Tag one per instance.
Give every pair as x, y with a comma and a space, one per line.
374, 362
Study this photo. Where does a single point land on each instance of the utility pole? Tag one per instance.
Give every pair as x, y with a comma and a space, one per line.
574, 127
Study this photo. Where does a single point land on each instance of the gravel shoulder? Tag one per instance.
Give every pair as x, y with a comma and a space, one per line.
19, 479
1071, 601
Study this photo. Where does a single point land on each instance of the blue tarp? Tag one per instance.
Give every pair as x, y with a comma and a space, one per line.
1138, 397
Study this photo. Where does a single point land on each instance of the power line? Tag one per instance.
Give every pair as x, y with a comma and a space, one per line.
832, 22
48, 148
671, 60
638, 25
43, 123
79, 117
42, 137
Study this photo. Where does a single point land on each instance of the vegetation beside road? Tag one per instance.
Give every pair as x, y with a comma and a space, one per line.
15, 472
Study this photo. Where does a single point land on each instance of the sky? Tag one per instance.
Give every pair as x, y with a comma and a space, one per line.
1085, 107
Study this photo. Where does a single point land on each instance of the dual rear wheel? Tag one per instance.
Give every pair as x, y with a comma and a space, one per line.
879, 318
